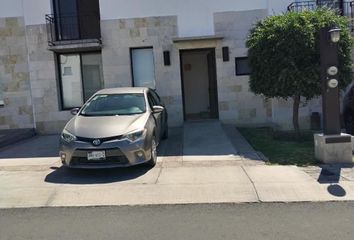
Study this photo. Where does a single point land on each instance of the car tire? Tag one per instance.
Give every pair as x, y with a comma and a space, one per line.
349, 124
153, 160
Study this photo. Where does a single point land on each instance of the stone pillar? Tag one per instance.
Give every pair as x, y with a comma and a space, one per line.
334, 148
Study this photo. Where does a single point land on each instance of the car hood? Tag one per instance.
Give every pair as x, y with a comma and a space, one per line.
105, 126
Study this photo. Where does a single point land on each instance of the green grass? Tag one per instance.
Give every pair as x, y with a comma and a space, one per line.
281, 152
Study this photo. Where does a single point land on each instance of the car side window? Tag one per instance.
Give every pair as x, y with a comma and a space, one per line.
156, 97
151, 100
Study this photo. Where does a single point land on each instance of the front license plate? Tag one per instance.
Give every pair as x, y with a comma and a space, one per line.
96, 155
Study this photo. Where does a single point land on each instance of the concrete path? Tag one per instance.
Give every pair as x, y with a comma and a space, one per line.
207, 141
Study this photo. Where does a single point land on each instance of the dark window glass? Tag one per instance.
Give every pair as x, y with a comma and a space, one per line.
242, 66
155, 97
80, 78
67, 20
143, 67
77, 19
151, 100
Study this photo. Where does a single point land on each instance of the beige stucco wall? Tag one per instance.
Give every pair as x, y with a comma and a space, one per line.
236, 103
157, 32
14, 75
44, 85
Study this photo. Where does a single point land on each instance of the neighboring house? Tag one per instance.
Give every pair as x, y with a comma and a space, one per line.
54, 54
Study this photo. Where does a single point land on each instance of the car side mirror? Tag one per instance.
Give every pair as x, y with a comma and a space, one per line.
74, 111
157, 109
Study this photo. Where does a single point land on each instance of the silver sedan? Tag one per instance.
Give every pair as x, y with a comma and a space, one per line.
116, 127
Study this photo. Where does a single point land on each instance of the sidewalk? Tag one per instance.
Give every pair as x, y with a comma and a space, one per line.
45, 184
191, 168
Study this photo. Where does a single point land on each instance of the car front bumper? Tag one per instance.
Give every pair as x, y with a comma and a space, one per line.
119, 153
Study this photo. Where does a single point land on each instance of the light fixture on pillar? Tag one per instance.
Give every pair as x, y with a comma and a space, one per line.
334, 35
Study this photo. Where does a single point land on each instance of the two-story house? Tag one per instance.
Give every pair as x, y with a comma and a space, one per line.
54, 54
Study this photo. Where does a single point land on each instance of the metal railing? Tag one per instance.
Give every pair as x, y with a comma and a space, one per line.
341, 7
72, 28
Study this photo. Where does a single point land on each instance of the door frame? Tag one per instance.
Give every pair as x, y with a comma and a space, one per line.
209, 50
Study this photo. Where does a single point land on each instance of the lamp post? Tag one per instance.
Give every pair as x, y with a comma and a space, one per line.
332, 146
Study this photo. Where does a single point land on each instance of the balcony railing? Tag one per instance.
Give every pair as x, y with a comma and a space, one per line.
71, 29
341, 7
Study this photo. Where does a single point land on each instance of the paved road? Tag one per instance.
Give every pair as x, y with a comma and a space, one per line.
226, 221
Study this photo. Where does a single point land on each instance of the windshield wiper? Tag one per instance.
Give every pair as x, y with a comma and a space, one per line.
98, 115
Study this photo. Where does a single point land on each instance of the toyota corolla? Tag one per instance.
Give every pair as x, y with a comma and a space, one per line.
116, 127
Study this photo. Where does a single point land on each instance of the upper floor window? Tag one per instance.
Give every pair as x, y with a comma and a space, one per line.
80, 77
76, 19
143, 67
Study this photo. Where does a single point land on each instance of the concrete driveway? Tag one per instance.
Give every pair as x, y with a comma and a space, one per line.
206, 141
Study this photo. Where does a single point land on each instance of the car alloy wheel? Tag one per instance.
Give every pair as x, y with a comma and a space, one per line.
153, 160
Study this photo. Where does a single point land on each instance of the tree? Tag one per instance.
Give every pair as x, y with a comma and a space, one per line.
284, 55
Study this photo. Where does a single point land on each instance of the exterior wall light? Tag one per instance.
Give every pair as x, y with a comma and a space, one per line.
333, 83
332, 71
334, 34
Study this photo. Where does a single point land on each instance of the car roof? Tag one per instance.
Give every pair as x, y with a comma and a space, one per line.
123, 90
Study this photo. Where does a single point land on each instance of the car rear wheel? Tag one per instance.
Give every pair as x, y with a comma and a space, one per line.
153, 160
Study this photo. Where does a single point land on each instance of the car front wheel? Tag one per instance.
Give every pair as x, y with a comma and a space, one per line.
152, 162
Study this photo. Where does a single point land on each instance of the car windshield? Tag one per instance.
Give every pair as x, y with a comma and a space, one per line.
114, 104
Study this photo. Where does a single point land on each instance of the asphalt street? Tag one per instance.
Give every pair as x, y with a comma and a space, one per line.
206, 221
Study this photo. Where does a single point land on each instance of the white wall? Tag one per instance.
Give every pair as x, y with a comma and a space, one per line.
11, 8
195, 17
35, 11
278, 6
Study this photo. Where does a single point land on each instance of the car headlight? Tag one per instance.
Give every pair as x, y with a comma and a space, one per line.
135, 135
67, 136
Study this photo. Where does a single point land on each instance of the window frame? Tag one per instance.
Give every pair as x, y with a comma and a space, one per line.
62, 107
131, 62
237, 72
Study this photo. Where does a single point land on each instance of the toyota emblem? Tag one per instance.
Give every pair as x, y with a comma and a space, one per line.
96, 142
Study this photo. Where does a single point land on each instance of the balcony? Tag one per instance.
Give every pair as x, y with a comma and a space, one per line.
342, 8
73, 33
